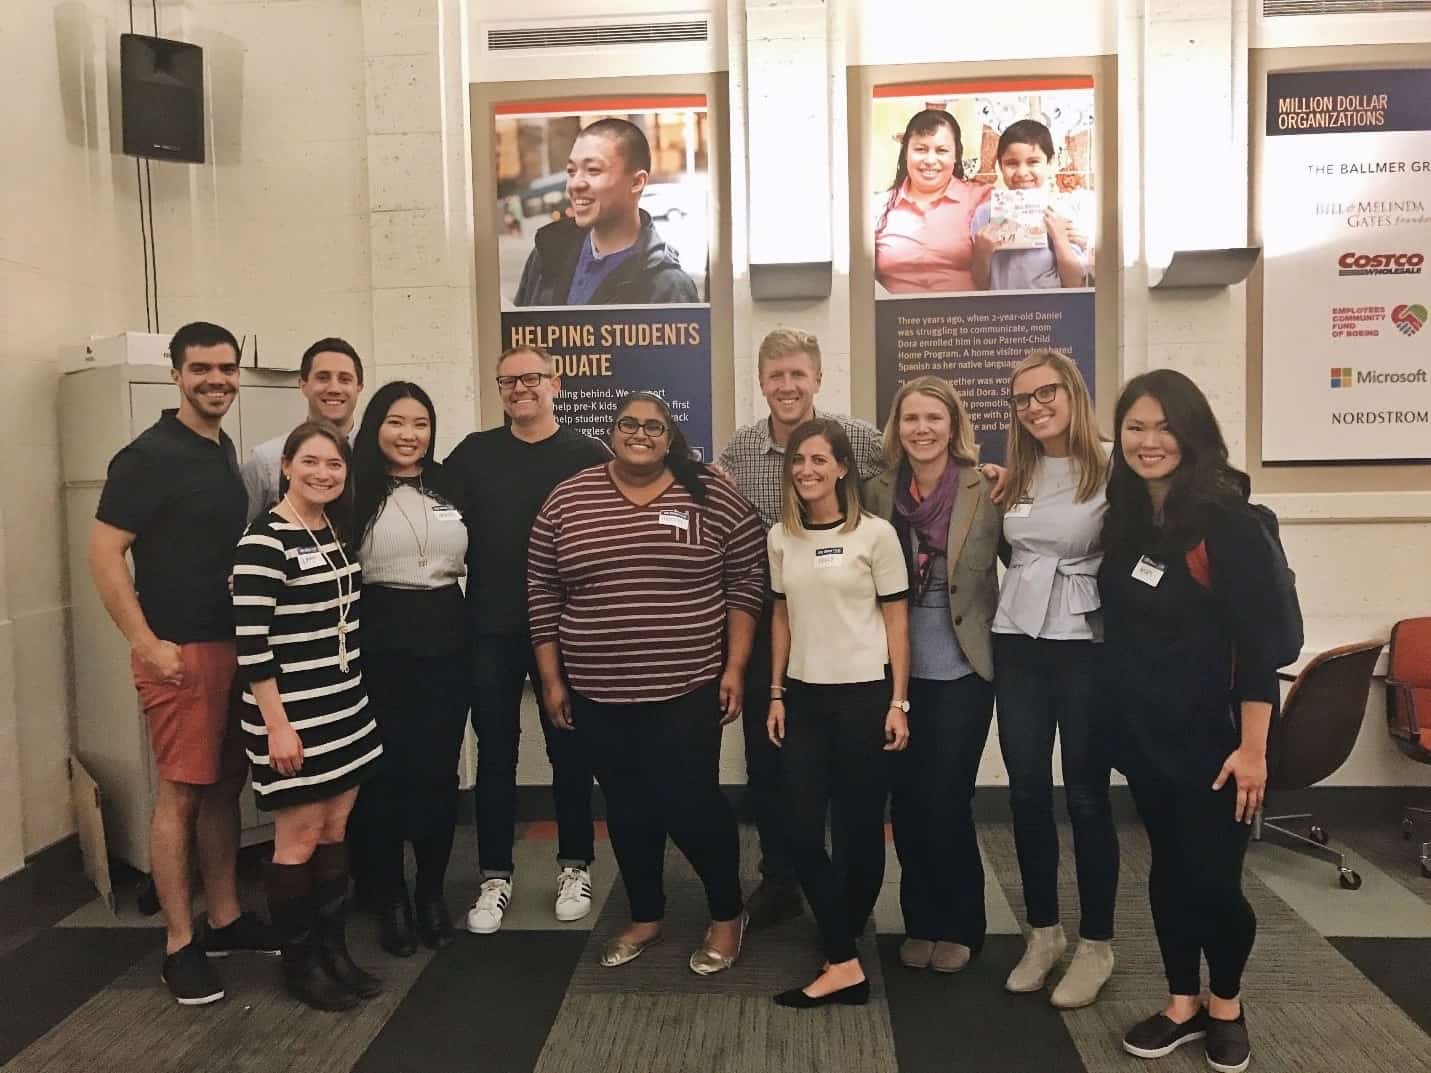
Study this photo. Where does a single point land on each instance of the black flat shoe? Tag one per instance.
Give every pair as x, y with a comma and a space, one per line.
395, 926
1229, 1049
796, 999
1158, 1036
434, 923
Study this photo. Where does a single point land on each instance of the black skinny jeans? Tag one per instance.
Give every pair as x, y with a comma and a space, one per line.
1195, 885
762, 761
659, 768
1042, 686
834, 756
941, 887
420, 706
502, 665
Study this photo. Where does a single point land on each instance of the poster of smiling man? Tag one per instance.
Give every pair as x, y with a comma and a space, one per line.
603, 212
982, 215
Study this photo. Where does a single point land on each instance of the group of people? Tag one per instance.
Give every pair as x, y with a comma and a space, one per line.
935, 229
832, 587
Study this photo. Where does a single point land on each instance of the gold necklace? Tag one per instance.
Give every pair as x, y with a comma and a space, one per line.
345, 600
421, 542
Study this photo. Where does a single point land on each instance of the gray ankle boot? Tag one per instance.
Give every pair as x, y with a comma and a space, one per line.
1089, 970
1045, 948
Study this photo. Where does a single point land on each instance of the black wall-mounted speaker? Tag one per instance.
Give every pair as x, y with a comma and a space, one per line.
162, 89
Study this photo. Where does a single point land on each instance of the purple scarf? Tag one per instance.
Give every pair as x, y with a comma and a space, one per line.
929, 516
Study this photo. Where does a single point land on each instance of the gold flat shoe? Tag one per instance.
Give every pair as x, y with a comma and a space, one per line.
707, 961
620, 951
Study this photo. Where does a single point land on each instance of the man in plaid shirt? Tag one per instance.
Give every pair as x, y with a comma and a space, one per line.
789, 369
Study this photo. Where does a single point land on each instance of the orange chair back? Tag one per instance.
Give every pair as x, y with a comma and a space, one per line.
1408, 688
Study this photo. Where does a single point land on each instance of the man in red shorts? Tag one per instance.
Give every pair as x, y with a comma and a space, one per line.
175, 501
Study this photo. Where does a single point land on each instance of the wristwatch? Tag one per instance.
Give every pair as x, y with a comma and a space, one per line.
902, 705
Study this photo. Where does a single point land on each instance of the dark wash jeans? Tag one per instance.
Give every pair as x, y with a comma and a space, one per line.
1043, 686
941, 887
502, 665
762, 761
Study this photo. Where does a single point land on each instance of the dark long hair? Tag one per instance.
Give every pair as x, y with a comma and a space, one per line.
847, 488
689, 471
370, 465
925, 122
340, 511
1204, 478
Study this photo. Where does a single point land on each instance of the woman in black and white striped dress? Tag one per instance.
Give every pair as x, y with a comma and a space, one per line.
306, 727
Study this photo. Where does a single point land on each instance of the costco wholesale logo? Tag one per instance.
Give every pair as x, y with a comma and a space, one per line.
1342, 377
1380, 264
1408, 319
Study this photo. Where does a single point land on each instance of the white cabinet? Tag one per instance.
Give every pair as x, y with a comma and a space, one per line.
101, 409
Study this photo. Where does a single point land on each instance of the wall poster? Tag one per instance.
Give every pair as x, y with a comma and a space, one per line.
1346, 233
984, 208
603, 225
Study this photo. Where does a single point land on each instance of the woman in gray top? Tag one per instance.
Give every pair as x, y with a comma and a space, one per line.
1046, 640
949, 528
413, 547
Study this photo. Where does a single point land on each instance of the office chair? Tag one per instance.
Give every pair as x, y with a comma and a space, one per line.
1408, 709
1314, 735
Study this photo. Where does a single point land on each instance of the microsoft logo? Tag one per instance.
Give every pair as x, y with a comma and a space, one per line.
1341, 377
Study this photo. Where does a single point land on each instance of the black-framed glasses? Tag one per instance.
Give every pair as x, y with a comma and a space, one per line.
653, 428
506, 383
1044, 394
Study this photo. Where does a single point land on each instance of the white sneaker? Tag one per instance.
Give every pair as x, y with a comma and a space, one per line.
573, 894
485, 916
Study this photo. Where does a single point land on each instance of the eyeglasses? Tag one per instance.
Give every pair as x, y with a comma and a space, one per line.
1044, 394
506, 383
630, 426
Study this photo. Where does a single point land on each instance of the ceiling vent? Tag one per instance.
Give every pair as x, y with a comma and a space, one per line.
1341, 7
623, 34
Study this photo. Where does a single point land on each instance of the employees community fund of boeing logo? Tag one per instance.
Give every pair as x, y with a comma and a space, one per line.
1369, 321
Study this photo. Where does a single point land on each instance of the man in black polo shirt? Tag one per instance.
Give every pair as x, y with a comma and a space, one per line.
507, 474
175, 501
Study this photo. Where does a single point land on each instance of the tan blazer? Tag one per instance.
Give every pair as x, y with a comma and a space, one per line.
974, 531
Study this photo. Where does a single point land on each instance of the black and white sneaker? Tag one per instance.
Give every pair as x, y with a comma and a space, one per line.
191, 979
1228, 1047
246, 934
1159, 1036
573, 900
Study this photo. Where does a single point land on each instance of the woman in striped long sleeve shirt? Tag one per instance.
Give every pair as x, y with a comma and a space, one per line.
306, 728
645, 578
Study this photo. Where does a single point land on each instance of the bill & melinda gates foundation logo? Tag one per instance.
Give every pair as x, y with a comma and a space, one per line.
1353, 263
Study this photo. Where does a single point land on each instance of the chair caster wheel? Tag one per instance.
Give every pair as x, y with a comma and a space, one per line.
1319, 835
1349, 880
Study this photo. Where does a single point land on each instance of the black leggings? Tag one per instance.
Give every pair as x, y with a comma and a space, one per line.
1195, 885
834, 755
420, 706
659, 768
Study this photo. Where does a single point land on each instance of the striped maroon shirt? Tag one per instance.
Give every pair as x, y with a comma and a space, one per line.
636, 597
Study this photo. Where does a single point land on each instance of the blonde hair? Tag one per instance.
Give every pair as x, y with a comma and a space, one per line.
1083, 441
962, 448
792, 512
783, 342
548, 359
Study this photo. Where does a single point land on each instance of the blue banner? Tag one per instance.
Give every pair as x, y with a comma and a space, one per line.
1347, 102
974, 341
606, 352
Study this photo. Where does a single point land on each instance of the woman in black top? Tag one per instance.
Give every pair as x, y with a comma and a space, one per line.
1191, 683
412, 542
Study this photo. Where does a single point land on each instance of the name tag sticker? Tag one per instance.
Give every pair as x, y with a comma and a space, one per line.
447, 514
1149, 572
676, 519
308, 558
826, 558
1022, 509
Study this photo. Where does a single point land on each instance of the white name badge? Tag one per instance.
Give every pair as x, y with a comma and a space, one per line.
1149, 572
309, 558
1022, 509
447, 514
827, 558
676, 519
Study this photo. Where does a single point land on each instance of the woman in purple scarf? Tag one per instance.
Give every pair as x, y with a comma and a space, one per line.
949, 528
